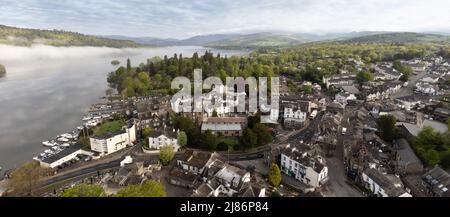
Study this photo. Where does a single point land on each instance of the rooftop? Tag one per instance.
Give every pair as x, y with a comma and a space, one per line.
67, 151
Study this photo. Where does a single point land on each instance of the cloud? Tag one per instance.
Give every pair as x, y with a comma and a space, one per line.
179, 18
43, 52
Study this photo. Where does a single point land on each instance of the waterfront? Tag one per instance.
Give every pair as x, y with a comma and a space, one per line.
46, 92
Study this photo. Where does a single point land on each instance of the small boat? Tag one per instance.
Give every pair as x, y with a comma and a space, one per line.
62, 139
86, 118
48, 144
80, 128
65, 145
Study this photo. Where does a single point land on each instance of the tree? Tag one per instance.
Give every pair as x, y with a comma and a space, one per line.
363, 77
262, 133
146, 132
128, 65
307, 89
274, 175
147, 189
386, 127
432, 157
166, 154
115, 63
84, 190
249, 139
182, 139
2, 70
26, 178
208, 140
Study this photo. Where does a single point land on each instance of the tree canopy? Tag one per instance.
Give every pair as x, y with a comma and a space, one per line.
166, 154
84, 190
274, 175
147, 189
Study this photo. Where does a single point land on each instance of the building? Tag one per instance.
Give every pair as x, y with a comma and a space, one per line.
441, 114
430, 78
307, 169
156, 140
294, 118
437, 182
382, 186
406, 161
63, 156
226, 126
343, 98
194, 161
426, 88
222, 179
413, 130
111, 142
344, 79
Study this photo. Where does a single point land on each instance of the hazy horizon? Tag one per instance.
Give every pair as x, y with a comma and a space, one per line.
179, 19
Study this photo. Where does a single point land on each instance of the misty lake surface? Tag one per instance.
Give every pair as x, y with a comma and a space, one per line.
47, 90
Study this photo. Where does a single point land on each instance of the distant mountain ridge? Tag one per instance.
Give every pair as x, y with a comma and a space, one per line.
401, 37
268, 39
26, 37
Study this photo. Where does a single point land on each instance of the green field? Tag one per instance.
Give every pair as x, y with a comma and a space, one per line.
111, 126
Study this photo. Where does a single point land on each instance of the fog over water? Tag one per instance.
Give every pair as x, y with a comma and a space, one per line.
48, 89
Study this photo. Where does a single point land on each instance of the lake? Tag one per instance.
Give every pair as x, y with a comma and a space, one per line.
47, 90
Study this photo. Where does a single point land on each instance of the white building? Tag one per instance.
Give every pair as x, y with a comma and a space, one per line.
158, 140
294, 118
380, 185
114, 141
302, 167
425, 88
65, 155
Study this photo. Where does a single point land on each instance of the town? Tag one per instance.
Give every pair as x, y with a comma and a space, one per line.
380, 130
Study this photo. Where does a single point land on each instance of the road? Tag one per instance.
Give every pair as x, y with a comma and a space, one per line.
409, 90
338, 184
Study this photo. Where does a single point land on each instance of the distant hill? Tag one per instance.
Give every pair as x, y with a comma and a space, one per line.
199, 40
260, 40
401, 37
27, 37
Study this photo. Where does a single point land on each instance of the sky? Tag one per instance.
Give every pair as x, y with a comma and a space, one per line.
187, 18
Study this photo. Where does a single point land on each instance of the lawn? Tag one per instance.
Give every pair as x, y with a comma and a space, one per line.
106, 127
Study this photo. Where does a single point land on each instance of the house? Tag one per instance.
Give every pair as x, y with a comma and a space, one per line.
343, 98
180, 177
223, 179
408, 102
430, 78
294, 118
226, 126
406, 161
441, 114
307, 169
344, 79
382, 185
63, 156
194, 161
380, 91
386, 72
413, 130
158, 139
111, 142
426, 88
436, 182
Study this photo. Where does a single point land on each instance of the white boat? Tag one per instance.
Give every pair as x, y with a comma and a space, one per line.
97, 117
86, 118
62, 139
65, 145
80, 128
48, 144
